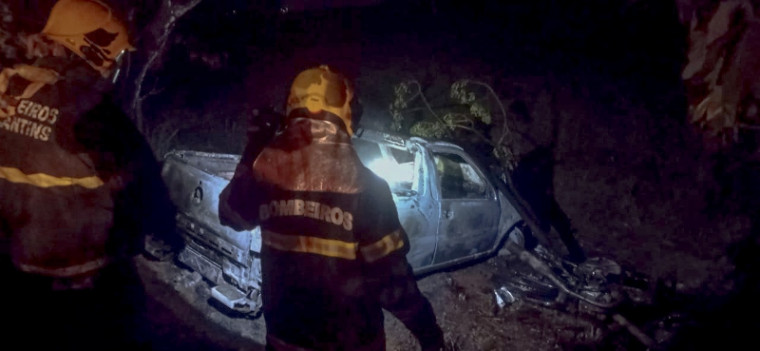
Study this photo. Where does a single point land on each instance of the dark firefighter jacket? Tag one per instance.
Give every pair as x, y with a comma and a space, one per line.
333, 252
73, 169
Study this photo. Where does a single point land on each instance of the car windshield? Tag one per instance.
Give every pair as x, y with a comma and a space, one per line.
394, 165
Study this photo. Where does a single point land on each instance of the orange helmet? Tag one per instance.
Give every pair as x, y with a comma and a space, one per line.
89, 29
320, 89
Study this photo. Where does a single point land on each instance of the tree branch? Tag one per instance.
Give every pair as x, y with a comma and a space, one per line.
505, 127
161, 28
479, 134
430, 108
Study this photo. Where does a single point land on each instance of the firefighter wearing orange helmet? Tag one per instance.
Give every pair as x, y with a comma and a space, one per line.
72, 169
91, 31
333, 251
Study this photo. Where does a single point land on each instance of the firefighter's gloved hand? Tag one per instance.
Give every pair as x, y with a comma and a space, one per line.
157, 249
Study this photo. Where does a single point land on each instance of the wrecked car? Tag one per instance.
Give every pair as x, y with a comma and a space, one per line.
447, 202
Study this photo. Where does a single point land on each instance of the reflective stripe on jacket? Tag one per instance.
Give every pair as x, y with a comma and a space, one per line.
41, 180
335, 248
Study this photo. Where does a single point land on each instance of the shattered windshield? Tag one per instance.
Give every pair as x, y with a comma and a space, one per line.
394, 165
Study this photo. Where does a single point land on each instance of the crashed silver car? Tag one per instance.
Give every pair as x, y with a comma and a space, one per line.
447, 203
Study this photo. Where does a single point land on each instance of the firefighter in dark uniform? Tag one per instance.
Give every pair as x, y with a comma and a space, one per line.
334, 252
71, 168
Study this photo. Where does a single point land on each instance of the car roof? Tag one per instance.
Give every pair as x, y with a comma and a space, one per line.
380, 137
397, 140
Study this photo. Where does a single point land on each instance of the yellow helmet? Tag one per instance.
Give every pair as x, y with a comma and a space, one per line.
89, 29
320, 89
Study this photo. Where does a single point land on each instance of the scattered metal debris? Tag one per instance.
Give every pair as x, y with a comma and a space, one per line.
504, 297
542, 278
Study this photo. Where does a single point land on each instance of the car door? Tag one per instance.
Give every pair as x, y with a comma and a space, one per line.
469, 207
403, 169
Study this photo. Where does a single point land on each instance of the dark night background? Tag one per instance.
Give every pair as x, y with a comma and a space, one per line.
597, 81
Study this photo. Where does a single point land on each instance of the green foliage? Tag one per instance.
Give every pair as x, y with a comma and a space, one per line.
428, 129
467, 115
477, 106
399, 104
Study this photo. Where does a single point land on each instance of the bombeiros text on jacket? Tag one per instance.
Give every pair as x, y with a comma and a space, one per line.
32, 119
311, 209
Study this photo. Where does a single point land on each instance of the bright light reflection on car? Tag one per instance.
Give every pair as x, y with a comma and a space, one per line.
397, 175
